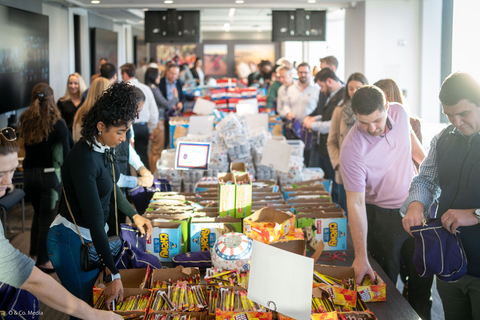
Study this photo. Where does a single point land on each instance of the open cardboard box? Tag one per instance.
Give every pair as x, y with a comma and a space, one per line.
197, 315
267, 202
173, 275
268, 195
282, 207
204, 232
127, 292
309, 206
343, 297
183, 219
243, 195
309, 201
318, 187
293, 242
226, 194
327, 225
268, 225
238, 167
166, 240
308, 195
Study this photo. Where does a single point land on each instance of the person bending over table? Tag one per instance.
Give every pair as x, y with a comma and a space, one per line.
19, 271
376, 166
88, 179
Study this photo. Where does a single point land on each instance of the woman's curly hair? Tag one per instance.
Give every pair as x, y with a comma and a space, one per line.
117, 106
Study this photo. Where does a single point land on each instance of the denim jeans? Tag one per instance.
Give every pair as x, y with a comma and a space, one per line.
63, 246
43, 190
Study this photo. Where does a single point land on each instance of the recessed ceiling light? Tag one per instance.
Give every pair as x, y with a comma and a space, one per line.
168, 1
239, 1
312, 1
141, 21
145, 9
231, 12
95, 1
226, 27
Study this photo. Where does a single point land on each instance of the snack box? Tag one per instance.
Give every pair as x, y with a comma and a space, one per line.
308, 195
173, 274
243, 195
298, 207
183, 219
166, 240
281, 207
227, 83
131, 278
221, 104
206, 186
330, 228
293, 242
268, 225
226, 191
205, 231
218, 94
127, 292
375, 292
248, 93
178, 127
316, 188
233, 93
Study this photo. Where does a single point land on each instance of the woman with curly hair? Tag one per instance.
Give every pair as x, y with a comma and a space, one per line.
96, 89
69, 103
47, 142
89, 176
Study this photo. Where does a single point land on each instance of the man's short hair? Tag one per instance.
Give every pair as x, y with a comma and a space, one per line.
459, 86
172, 65
280, 68
304, 64
107, 70
330, 61
129, 69
324, 74
140, 95
367, 100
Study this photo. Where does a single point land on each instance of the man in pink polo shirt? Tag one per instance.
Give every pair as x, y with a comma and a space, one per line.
377, 168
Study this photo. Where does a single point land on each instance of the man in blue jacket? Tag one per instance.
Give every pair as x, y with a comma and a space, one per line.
451, 173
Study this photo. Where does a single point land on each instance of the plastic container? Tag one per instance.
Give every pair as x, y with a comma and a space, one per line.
297, 147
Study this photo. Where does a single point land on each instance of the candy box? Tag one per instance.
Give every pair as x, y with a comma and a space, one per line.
330, 228
166, 240
268, 225
238, 167
128, 292
173, 274
308, 195
375, 292
205, 231
243, 195
342, 297
232, 315
293, 242
226, 191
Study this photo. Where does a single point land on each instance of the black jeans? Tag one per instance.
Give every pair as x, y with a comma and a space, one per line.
385, 239
43, 189
141, 141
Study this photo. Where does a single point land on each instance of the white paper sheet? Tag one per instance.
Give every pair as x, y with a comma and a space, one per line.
203, 107
282, 277
200, 125
257, 121
277, 155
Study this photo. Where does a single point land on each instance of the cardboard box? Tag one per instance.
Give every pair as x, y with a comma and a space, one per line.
309, 201
293, 242
243, 196
127, 292
281, 207
308, 195
330, 228
268, 225
173, 274
309, 206
238, 167
178, 127
226, 194
342, 297
166, 240
315, 188
205, 231
182, 218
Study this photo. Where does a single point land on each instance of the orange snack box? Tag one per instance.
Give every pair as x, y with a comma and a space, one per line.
268, 225
374, 293
232, 315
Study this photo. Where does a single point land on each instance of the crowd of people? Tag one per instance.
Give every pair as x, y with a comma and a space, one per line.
79, 151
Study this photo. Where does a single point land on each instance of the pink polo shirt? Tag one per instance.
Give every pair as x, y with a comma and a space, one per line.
382, 167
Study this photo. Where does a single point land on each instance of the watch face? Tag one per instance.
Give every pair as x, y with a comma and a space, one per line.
477, 213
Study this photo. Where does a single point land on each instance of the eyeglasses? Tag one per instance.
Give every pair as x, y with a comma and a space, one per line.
9, 134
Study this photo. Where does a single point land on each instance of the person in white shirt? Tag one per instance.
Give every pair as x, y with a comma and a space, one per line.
302, 96
147, 119
284, 76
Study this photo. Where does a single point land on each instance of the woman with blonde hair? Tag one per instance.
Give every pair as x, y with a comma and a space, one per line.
47, 143
98, 86
72, 98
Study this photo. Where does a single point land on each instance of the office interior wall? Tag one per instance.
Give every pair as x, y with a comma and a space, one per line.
354, 40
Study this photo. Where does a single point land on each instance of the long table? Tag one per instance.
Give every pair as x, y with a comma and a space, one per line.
396, 307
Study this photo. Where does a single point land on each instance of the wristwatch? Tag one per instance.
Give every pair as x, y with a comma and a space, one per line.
476, 213
110, 277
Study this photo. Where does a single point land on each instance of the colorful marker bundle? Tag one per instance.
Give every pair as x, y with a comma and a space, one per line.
227, 299
229, 278
322, 305
170, 316
164, 284
179, 298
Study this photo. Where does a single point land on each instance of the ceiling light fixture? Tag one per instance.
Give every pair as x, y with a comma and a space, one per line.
312, 1
226, 27
145, 9
141, 21
231, 12
95, 1
168, 1
239, 1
